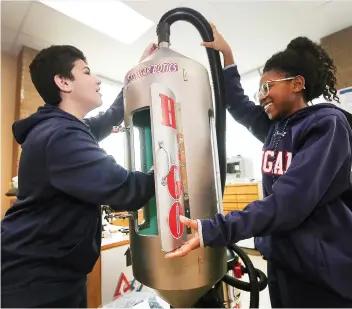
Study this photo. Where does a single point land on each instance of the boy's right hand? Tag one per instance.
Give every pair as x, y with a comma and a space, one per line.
219, 42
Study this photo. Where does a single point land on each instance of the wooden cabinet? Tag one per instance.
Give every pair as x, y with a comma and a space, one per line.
94, 286
7, 203
238, 196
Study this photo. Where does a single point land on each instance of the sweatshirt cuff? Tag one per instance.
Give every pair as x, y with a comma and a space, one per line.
230, 66
200, 233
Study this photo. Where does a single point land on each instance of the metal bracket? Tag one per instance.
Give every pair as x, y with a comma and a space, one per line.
118, 129
164, 178
125, 216
185, 77
125, 230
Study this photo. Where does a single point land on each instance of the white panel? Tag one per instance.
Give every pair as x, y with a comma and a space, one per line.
115, 19
166, 149
13, 13
153, 9
49, 25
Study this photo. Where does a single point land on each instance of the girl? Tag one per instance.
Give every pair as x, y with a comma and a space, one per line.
303, 224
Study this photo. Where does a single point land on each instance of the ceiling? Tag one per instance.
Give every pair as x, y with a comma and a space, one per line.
254, 29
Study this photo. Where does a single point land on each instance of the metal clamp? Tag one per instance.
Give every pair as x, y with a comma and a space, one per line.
124, 216
124, 230
163, 178
118, 129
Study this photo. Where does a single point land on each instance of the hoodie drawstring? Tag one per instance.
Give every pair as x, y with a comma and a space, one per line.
277, 138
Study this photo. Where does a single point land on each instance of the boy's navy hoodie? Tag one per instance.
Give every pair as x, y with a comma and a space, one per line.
51, 236
304, 221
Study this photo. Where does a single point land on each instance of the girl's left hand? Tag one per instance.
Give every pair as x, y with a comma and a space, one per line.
191, 244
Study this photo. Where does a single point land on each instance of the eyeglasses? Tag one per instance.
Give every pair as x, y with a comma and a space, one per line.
264, 89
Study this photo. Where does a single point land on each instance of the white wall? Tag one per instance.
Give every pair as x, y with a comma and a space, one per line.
114, 144
239, 141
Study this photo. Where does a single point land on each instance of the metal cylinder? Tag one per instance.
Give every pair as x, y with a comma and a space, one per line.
169, 112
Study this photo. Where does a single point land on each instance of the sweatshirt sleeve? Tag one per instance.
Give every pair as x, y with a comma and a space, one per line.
326, 151
81, 169
241, 108
101, 125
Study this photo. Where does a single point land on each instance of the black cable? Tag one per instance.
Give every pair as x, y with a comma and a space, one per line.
204, 29
246, 286
252, 274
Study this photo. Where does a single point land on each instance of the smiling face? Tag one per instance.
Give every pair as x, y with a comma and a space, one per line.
279, 95
85, 86
83, 89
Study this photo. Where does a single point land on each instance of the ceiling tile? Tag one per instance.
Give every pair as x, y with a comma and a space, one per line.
254, 29
13, 13
32, 41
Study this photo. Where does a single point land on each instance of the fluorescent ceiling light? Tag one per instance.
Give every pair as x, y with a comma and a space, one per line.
111, 17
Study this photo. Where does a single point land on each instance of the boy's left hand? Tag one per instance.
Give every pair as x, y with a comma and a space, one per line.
191, 244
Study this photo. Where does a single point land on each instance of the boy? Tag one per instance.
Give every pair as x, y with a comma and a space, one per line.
51, 236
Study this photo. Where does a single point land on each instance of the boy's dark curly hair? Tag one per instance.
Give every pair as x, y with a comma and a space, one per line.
51, 61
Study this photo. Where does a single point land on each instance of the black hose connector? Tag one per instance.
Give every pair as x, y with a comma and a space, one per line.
163, 32
252, 274
263, 280
204, 29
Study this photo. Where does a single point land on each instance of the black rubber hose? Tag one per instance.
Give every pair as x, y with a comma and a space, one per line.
252, 274
263, 280
204, 29
246, 286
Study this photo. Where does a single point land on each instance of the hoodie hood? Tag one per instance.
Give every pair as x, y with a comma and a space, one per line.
311, 109
23, 127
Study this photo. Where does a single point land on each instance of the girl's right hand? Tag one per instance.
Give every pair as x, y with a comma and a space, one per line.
219, 42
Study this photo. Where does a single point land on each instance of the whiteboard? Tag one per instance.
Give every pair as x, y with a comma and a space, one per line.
345, 96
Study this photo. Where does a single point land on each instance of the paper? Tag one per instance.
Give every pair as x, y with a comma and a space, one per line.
345, 96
